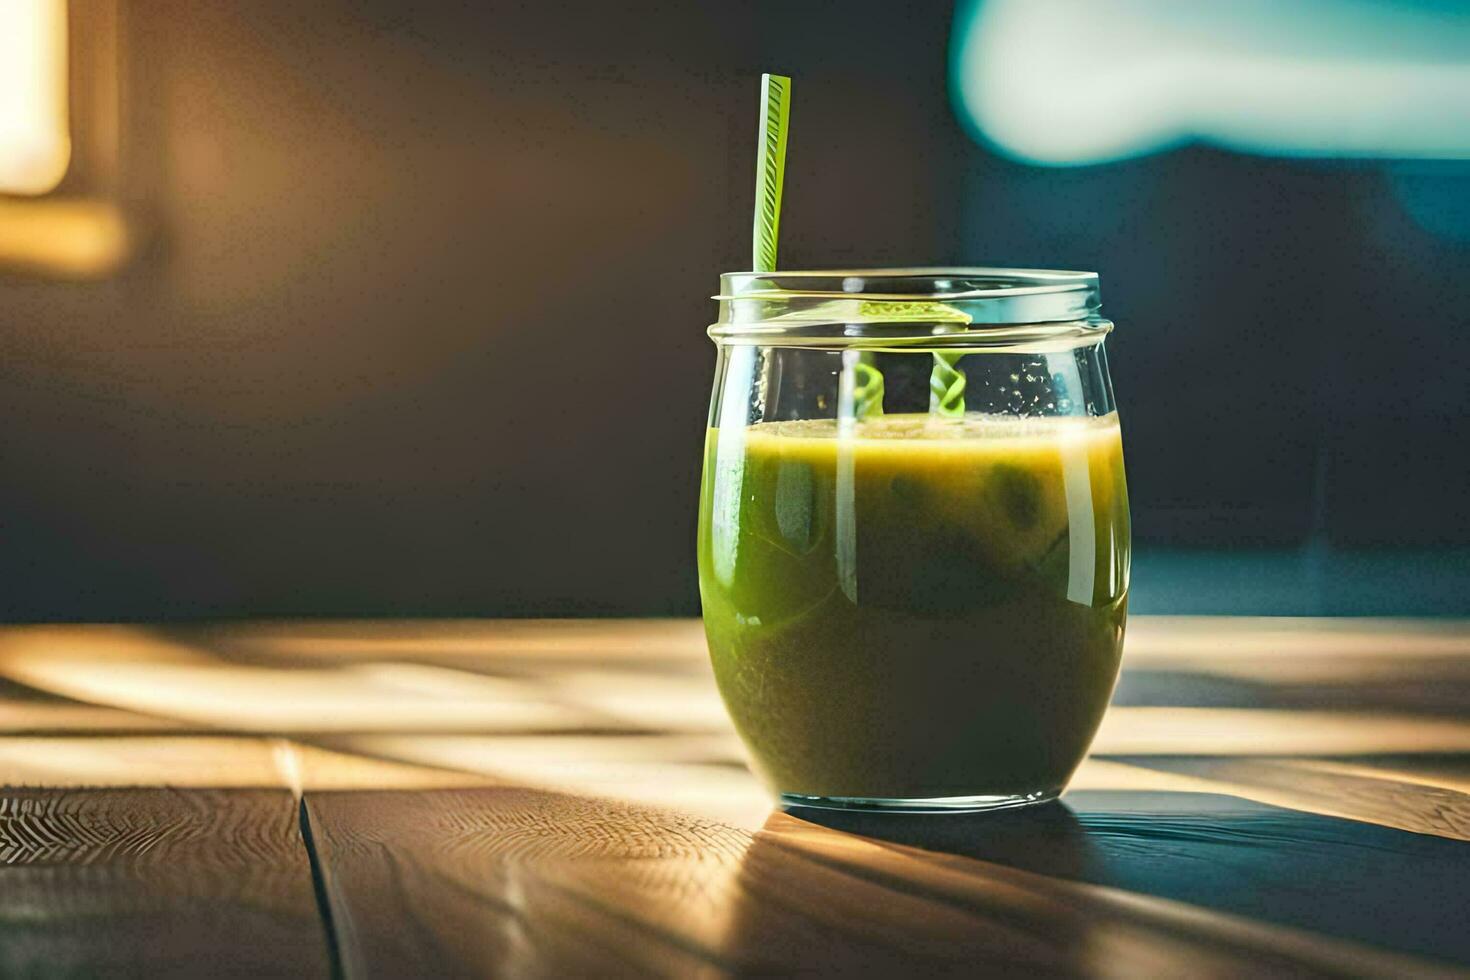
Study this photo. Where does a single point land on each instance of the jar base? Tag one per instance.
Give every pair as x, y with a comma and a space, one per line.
945, 804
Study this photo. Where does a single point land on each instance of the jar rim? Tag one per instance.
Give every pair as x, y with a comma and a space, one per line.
948, 306
957, 282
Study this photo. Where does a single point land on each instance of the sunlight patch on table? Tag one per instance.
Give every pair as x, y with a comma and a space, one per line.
184, 761
1259, 731
693, 774
131, 669
632, 639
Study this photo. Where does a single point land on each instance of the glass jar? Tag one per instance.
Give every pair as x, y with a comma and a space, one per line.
913, 535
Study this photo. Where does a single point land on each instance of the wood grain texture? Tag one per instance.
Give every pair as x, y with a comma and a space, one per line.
156, 882
486, 882
527, 883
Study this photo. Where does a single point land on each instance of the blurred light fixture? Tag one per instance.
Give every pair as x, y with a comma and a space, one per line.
60, 175
1066, 82
35, 145
74, 239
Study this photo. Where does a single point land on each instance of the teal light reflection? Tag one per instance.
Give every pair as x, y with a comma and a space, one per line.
1070, 82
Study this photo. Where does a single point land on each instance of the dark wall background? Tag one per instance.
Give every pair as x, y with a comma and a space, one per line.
416, 325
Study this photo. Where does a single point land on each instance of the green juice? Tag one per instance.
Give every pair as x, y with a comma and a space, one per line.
915, 608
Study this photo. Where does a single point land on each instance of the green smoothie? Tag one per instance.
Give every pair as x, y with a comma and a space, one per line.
912, 607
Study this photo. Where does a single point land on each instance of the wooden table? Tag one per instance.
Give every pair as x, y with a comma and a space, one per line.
566, 799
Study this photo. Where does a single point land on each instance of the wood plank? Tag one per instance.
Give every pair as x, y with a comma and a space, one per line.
156, 883
697, 774
1260, 643
1404, 794
321, 767
194, 761
465, 883
542, 641
1445, 771
199, 762
1130, 933
61, 717
27, 711
1334, 877
143, 670
1130, 731
454, 883
1439, 685
1317, 787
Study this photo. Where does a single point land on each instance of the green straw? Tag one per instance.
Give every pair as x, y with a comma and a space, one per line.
947, 385
947, 382
867, 388
770, 175
770, 170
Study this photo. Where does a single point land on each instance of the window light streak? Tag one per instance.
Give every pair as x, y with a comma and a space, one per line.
35, 147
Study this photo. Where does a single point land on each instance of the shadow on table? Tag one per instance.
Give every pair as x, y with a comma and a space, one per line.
1339, 877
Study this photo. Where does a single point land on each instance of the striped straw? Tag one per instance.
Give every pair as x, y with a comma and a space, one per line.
770, 170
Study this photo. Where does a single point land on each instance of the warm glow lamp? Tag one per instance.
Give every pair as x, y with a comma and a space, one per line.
35, 147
